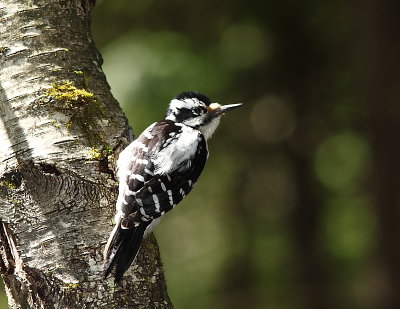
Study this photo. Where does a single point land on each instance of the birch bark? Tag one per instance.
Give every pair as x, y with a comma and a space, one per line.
60, 131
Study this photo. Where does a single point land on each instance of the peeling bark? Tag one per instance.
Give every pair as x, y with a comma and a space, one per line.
60, 130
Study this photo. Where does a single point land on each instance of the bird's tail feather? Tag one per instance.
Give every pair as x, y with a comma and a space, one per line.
121, 250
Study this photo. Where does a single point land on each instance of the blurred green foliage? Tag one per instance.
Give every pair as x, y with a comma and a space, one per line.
284, 215
3, 297
341, 160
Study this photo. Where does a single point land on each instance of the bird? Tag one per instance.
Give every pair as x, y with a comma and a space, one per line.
156, 171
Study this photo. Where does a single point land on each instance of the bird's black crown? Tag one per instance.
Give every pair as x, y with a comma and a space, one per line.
195, 95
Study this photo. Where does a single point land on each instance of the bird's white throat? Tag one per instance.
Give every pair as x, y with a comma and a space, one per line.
209, 129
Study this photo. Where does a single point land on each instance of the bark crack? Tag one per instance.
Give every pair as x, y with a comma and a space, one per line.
7, 262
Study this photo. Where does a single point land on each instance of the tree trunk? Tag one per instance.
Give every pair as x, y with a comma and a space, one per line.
60, 132
381, 92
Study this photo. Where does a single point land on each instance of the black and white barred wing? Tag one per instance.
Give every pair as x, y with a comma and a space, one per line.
176, 162
161, 167
134, 170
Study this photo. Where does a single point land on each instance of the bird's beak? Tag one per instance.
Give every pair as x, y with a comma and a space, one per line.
216, 109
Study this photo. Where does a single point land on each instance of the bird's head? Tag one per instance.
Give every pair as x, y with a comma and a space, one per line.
197, 111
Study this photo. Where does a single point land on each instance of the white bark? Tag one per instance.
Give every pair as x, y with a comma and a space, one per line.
57, 188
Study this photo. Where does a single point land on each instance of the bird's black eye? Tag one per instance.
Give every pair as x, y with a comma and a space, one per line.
197, 110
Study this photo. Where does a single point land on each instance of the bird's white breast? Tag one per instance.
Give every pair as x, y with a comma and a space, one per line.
182, 149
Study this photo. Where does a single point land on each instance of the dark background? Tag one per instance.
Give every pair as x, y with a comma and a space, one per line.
298, 206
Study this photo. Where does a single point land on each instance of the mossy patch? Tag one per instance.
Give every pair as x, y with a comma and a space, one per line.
11, 180
84, 77
70, 285
8, 184
99, 154
83, 110
69, 98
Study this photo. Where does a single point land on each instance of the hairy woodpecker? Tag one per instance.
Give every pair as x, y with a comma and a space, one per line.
157, 171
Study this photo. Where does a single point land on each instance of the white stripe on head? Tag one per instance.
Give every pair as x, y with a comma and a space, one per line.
175, 105
187, 103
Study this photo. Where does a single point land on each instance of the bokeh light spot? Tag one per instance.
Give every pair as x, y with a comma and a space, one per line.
340, 160
272, 119
349, 227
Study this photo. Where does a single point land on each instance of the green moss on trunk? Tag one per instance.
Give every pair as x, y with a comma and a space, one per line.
84, 112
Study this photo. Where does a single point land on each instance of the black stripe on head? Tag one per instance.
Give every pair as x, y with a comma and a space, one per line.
193, 94
184, 114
